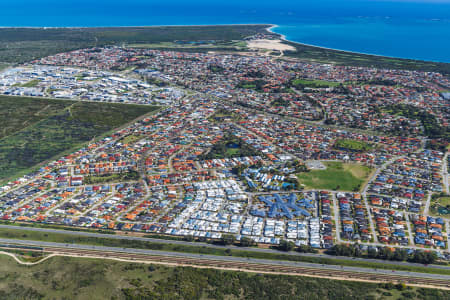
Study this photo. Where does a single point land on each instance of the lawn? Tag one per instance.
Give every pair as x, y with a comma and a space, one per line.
440, 206
31, 83
131, 139
118, 177
87, 278
444, 201
314, 83
222, 114
337, 176
39, 129
257, 85
352, 145
232, 152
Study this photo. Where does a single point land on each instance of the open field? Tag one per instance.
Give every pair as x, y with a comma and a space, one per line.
130, 139
257, 266
352, 145
440, 206
222, 114
337, 176
313, 83
84, 278
17, 113
444, 201
257, 85
118, 177
50, 127
32, 83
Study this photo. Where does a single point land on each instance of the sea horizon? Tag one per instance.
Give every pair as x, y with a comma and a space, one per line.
269, 29
419, 31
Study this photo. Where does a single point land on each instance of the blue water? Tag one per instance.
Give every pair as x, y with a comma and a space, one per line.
417, 29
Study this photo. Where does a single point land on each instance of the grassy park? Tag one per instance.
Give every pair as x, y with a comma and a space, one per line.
440, 205
31, 83
130, 139
116, 177
337, 176
257, 85
301, 83
444, 201
222, 114
228, 147
352, 145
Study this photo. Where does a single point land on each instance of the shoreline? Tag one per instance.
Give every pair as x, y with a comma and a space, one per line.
285, 39
269, 28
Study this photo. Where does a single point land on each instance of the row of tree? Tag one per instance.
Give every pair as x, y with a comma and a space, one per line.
399, 254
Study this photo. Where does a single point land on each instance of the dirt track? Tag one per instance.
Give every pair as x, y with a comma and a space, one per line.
248, 267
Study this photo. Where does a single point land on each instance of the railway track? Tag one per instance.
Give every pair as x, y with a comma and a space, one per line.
255, 267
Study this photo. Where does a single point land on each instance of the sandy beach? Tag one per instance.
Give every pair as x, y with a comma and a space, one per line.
269, 45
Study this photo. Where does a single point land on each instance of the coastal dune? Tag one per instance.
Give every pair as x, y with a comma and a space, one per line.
269, 45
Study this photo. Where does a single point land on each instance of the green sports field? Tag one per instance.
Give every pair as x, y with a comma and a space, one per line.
337, 176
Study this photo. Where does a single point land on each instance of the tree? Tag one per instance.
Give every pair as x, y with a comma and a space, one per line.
286, 245
386, 253
424, 257
372, 253
228, 239
400, 254
246, 242
306, 249
188, 238
202, 239
356, 251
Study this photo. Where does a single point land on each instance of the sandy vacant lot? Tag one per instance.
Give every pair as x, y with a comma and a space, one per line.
269, 45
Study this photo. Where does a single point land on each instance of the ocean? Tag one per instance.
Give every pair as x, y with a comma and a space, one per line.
399, 28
